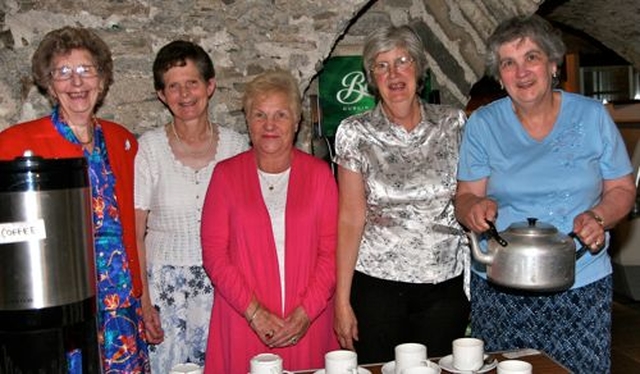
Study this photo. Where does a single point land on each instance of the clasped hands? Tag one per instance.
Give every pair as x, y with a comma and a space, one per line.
276, 332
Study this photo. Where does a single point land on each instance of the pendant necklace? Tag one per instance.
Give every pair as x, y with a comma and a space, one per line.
271, 181
187, 148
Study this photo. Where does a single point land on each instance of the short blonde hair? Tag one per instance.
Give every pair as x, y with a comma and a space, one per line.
275, 81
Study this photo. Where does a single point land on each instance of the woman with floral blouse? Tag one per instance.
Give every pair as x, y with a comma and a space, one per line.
401, 255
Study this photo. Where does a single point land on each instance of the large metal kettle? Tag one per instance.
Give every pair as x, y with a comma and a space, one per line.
530, 255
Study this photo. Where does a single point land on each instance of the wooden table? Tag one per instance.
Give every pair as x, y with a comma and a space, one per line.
542, 364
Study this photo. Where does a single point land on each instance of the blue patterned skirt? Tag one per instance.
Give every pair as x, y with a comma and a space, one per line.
122, 340
573, 327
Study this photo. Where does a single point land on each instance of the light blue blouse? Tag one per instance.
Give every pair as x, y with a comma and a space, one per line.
554, 179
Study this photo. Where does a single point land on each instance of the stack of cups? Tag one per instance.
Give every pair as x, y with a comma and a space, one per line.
267, 363
468, 354
411, 358
514, 367
341, 362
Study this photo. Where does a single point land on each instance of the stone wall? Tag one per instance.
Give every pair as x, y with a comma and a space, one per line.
243, 37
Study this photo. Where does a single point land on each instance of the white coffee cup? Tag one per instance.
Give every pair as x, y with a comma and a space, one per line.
420, 370
514, 367
409, 355
468, 353
267, 363
341, 362
187, 368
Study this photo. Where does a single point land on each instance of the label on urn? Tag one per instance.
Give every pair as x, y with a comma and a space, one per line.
15, 232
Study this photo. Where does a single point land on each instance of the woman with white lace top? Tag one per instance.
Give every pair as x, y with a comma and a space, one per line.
173, 168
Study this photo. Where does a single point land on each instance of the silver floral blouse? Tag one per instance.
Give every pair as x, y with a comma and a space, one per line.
410, 234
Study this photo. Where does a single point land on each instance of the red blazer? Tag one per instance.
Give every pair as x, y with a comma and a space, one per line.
41, 137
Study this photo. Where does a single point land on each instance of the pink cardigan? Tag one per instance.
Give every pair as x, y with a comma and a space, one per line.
239, 255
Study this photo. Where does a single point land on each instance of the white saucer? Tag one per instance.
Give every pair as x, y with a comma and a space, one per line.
447, 364
390, 367
360, 371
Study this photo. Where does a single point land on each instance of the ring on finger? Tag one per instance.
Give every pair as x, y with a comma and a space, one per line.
293, 340
269, 334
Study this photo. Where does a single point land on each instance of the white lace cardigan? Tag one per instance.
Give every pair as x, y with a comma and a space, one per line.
174, 194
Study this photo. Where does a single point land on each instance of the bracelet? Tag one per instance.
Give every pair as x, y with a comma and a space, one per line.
595, 216
253, 315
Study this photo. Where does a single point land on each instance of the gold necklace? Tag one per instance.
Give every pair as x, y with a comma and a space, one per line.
185, 146
93, 124
88, 141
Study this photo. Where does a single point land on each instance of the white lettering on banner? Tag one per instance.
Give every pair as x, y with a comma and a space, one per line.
355, 108
15, 232
355, 89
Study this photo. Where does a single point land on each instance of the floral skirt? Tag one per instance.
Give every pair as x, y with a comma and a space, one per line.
184, 296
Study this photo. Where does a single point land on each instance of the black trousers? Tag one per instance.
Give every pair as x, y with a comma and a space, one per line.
390, 313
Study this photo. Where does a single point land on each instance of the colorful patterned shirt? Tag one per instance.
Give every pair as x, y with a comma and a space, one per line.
114, 279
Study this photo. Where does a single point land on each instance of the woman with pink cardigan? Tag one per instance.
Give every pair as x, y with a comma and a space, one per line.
269, 237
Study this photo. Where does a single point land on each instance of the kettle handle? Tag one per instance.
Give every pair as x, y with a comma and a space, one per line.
483, 258
580, 252
493, 232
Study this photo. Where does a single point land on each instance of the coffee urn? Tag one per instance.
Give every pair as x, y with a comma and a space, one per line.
47, 269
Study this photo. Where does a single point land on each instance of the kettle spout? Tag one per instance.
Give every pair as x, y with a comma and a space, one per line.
483, 258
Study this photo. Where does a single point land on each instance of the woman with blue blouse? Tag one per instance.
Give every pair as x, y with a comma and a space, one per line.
558, 157
401, 255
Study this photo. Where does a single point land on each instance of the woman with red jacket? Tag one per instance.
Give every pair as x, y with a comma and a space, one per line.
74, 67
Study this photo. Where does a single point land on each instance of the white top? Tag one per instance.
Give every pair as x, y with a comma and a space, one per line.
174, 194
274, 193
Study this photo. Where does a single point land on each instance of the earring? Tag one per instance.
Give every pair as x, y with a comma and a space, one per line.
554, 79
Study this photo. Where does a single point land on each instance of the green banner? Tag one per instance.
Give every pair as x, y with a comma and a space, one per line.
343, 92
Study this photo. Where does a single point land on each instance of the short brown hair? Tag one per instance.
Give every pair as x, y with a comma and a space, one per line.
534, 27
61, 42
176, 53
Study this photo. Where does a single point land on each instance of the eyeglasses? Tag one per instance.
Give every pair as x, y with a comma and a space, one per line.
399, 64
64, 73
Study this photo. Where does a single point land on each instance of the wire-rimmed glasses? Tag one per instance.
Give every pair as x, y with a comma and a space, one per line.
65, 72
399, 64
